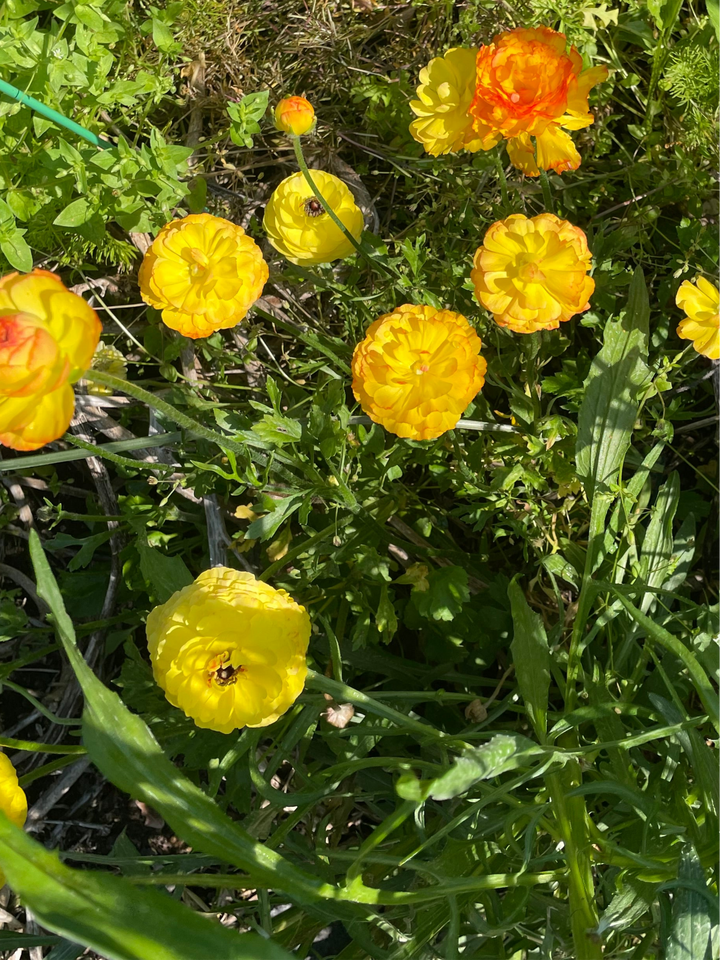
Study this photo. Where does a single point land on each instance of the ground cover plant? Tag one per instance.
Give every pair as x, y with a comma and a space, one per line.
359, 480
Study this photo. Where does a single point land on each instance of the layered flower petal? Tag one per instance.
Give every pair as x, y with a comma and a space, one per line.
297, 225
529, 84
47, 339
532, 274
701, 303
203, 273
229, 650
447, 87
13, 801
417, 370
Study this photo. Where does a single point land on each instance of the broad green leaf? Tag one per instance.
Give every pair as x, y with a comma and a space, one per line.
713, 11
166, 575
111, 916
265, 527
657, 546
692, 920
74, 214
446, 593
17, 253
274, 428
531, 657
504, 752
125, 751
612, 392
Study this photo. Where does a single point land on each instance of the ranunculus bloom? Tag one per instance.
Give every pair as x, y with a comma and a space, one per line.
13, 801
204, 273
294, 115
229, 650
447, 87
299, 228
417, 370
47, 339
701, 302
528, 84
533, 274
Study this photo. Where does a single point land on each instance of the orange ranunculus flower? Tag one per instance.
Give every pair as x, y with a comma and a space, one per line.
447, 86
204, 273
47, 339
533, 274
701, 302
294, 115
417, 370
529, 84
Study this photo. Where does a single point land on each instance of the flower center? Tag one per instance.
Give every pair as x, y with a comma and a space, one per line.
201, 262
313, 207
529, 271
420, 368
222, 671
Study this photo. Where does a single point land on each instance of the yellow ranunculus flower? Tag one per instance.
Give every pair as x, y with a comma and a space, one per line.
204, 273
294, 115
533, 274
229, 650
417, 370
447, 88
13, 801
299, 228
701, 302
47, 339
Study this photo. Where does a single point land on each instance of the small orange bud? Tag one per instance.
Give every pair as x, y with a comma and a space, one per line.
294, 115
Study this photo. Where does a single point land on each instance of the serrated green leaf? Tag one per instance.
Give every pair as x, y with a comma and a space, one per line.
447, 592
274, 428
17, 252
612, 392
264, 527
531, 656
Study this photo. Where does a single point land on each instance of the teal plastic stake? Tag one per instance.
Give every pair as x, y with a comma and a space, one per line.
53, 115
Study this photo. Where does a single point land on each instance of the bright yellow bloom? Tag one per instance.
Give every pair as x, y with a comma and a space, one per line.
229, 650
299, 228
528, 84
294, 115
532, 274
701, 302
417, 370
47, 339
204, 273
13, 801
447, 87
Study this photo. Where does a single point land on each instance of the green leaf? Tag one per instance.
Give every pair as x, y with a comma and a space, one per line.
17, 252
166, 575
531, 656
111, 916
125, 751
274, 428
74, 214
504, 752
264, 527
612, 391
689, 934
447, 592
713, 12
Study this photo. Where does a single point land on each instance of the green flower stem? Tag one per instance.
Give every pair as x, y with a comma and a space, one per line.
11, 744
326, 206
166, 409
502, 180
547, 192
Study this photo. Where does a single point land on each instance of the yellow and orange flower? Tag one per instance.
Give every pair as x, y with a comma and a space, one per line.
294, 115
417, 370
533, 274
701, 302
229, 650
47, 339
529, 85
204, 273
447, 88
13, 801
